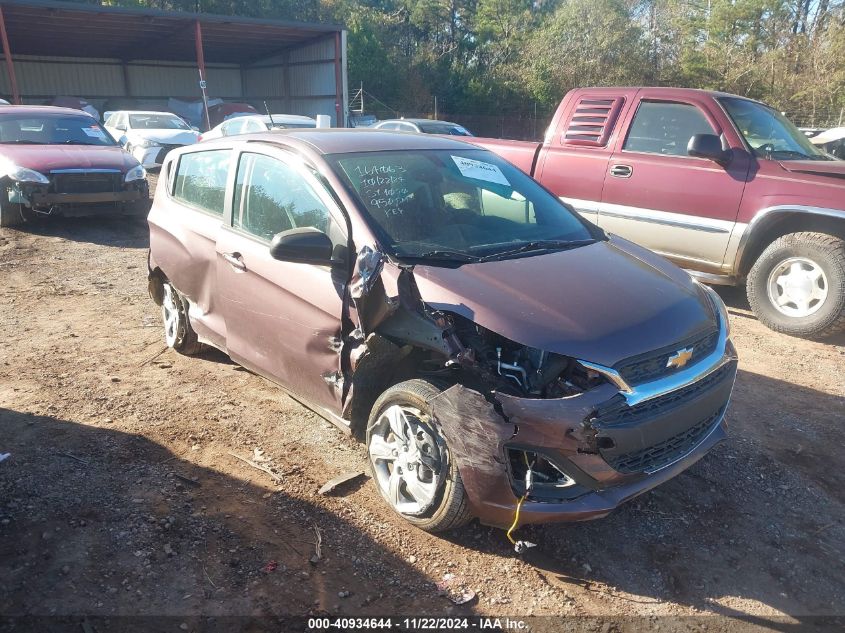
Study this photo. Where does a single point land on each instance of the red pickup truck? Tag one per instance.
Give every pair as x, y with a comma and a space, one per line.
724, 186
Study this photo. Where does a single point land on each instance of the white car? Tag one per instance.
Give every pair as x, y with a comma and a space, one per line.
149, 136
423, 126
258, 123
832, 141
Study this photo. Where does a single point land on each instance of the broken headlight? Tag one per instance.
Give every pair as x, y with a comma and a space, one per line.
521, 370
24, 174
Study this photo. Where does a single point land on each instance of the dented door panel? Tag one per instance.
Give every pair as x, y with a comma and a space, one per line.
283, 319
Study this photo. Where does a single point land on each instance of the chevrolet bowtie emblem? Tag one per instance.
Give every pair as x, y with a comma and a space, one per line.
680, 358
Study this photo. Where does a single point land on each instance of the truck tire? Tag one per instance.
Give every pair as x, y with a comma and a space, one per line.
431, 498
797, 285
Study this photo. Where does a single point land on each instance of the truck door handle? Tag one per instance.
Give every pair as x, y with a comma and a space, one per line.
235, 260
621, 171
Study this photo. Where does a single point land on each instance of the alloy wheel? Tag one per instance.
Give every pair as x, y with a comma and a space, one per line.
797, 287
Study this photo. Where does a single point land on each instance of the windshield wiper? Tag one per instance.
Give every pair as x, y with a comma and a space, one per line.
795, 154
71, 142
442, 255
20, 142
538, 245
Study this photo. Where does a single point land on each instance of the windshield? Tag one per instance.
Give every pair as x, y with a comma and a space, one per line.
458, 205
444, 128
52, 130
157, 122
769, 133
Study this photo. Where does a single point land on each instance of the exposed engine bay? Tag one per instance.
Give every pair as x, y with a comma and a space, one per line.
513, 368
445, 345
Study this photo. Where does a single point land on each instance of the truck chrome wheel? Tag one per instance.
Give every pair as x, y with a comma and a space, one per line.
402, 452
797, 287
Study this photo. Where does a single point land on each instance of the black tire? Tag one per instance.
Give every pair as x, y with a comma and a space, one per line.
449, 508
10, 214
828, 253
178, 333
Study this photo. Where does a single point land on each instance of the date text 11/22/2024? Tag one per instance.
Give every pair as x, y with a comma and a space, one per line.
412, 624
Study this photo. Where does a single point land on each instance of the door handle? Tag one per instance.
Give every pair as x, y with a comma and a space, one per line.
235, 260
621, 171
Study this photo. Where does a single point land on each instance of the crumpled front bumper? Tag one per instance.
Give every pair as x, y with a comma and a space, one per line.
611, 450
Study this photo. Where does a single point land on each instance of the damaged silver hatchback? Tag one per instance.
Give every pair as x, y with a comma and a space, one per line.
497, 353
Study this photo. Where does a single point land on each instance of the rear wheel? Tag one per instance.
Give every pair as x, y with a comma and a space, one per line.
178, 332
411, 462
797, 285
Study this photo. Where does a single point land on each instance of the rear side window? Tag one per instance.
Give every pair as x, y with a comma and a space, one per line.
665, 128
271, 197
200, 180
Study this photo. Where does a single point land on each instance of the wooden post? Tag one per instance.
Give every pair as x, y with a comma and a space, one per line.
10, 66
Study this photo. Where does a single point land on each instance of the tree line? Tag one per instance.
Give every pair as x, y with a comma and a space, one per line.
502, 57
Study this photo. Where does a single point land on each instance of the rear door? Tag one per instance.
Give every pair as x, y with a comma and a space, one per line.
577, 148
185, 222
660, 197
283, 319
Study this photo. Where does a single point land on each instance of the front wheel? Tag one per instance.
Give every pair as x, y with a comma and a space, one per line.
411, 462
178, 332
797, 285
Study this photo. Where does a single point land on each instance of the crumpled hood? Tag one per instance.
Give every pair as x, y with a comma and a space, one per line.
831, 168
165, 137
44, 158
603, 303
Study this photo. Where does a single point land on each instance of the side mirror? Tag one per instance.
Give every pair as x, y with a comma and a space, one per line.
303, 246
707, 146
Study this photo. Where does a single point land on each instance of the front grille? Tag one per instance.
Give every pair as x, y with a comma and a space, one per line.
87, 182
652, 365
621, 413
654, 457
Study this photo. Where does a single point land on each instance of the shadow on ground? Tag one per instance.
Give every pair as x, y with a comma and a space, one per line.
105, 230
99, 522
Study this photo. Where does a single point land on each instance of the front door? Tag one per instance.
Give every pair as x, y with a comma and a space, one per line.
283, 319
660, 197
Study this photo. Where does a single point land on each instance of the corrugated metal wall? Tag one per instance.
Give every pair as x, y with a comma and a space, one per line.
301, 81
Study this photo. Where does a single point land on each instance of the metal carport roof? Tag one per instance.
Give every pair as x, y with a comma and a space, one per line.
50, 27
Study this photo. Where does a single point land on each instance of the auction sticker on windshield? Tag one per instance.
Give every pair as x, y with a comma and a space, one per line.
479, 170
94, 132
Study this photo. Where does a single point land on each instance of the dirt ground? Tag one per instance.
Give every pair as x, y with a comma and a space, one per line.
121, 496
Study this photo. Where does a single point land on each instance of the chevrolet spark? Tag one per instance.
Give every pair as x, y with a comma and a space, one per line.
497, 353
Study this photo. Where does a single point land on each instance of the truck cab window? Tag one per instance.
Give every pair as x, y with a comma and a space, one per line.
665, 128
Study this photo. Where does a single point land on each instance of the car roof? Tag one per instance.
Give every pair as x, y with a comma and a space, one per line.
350, 140
417, 121
36, 109
144, 112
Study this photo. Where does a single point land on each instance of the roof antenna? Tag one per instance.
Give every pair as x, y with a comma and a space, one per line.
267, 109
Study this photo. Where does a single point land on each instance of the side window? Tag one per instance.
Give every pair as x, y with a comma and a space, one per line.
200, 180
406, 127
665, 128
271, 197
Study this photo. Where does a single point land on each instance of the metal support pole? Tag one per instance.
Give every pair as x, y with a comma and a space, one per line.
10, 66
201, 68
338, 82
